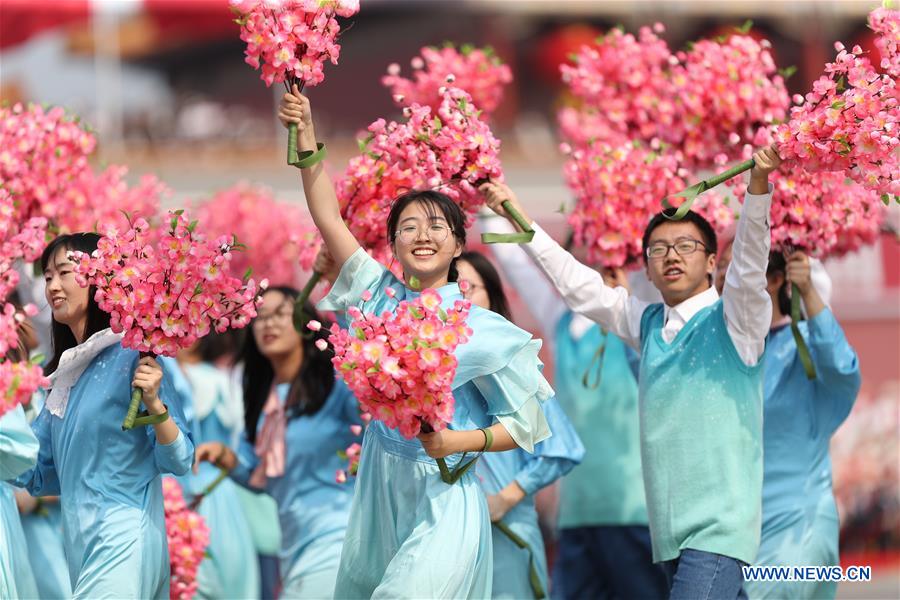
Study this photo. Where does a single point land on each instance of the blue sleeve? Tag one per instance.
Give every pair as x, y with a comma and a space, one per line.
837, 369
178, 456
42, 479
555, 456
358, 274
246, 463
634, 360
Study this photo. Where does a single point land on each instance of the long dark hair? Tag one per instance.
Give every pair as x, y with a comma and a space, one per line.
435, 204
777, 264
492, 283
61, 335
310, 386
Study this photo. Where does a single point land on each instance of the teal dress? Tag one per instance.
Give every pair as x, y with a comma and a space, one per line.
313, 508
552, 458
110, 481
800, 519
410, 534
18, 452
44, 532
230, 569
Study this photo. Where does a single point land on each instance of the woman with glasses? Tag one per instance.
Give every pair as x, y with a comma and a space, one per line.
412, 535
511, 479
297, 419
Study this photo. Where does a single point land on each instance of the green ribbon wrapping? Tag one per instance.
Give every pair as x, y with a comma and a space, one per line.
307, 158
690, 194
802, 348
223, 475
596, 360
300, 317
533, 577
511, 238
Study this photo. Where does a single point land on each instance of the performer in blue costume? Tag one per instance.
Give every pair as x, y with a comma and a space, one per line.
604, 541
109, 480
411, 534
18, 453
511, 479
301, 418
230, 567
700, 381
42, 524
799, 514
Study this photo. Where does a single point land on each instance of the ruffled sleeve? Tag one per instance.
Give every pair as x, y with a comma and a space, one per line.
359, 273
502, 361
18, 445
555, 456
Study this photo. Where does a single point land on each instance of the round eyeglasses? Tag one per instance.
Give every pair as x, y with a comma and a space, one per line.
436, 232
682, 247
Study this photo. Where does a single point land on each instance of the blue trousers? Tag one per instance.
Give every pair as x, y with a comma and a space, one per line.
698, 575
607, 562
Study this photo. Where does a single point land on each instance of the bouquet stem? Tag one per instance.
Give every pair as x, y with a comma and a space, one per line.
802, 348
132, 418
447, 476
292, 156
690, 194
223, 474
300, 316
524, 237
536, 586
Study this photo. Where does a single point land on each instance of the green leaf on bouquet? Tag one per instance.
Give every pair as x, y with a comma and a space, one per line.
787, 72
436, 123
247, 274
838, 104
363, 143
414, 283
886, 198
746, 27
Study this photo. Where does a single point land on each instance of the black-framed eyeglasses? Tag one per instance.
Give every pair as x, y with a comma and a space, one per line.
682, 247
435, 232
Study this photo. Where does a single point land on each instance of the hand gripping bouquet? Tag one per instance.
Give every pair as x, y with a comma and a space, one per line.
290, 41
401, 364
168, 292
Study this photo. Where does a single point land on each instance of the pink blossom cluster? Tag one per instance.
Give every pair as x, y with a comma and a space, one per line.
19, 380
617, 191
20, 239
94, 201
400, 365
41, 152
822, 213
452, 149
849, 122
280, 239
187, 535
479, 71
885, 22
292, 39
166, 294
704, 101
351, 454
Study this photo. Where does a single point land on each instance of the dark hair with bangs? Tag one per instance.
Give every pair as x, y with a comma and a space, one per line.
97, 320
436, 205
493, 286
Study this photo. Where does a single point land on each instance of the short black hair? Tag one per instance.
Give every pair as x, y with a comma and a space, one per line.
436, 203
710, 240
492, 283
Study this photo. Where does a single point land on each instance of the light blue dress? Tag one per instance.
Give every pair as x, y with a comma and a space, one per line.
411, 535
110, 481
18, 452
313, 508
230, 569
44, 533
800, 519
552, 459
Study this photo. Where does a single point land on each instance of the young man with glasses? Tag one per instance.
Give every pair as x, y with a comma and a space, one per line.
700, 396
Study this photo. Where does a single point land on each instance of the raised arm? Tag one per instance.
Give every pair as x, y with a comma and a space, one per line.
747, 305
581, 287
320, 195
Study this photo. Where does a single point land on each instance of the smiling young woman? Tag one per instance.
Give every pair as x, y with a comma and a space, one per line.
410, 535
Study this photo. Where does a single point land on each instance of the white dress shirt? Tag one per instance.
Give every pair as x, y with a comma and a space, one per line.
747, 305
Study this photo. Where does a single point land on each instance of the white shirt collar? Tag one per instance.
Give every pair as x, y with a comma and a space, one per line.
687, 309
